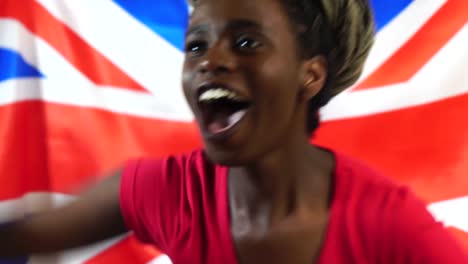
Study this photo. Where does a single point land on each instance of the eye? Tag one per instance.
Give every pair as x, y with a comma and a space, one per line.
246, 43
195, 47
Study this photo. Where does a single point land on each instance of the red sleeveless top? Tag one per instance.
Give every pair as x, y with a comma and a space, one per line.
180, 205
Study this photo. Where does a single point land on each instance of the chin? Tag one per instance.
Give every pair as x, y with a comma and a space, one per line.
228, 158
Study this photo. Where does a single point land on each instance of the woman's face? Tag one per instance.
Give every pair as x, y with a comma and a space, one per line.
242, 77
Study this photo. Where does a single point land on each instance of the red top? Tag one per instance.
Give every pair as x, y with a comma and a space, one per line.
180, 204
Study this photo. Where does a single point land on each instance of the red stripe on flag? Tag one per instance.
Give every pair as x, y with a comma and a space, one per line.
424, 146
72, 47
23, 151
128, 250
412, 56
58, 148
461, 236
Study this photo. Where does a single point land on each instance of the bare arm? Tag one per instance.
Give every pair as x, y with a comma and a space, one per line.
93, 217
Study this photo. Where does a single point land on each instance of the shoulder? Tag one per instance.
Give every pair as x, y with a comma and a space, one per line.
411, 234
393, 223
374, 198
357, 180
375, 192
170, 176
168, 164
153, 191
167, 169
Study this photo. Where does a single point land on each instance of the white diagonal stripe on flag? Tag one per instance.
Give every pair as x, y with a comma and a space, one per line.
31, 203
161, 260
64, 84
453, 213
106, 98
157, 69
38, 53
398, 31
423, 87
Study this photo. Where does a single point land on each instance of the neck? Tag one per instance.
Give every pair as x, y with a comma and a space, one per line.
287, 180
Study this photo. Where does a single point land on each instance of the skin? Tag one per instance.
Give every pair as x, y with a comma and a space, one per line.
93, 217
279, 184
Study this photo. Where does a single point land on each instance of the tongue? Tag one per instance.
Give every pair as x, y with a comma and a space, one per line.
216, 127
221, 122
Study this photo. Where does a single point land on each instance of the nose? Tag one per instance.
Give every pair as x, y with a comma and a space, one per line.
218, 59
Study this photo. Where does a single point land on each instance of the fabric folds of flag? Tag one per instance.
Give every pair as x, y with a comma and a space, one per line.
85, 85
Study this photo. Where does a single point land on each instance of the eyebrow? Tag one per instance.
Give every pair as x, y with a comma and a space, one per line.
231, 25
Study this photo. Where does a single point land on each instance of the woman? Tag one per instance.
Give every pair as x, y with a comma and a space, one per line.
255, 75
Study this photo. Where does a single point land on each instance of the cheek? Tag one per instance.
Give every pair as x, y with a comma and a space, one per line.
277, 82
280, 70
188, 78
276, 90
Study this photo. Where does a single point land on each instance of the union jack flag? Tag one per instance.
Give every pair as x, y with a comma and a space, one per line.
85, 85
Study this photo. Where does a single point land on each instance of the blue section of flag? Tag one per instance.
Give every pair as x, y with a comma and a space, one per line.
386, 10
19, 260
16, 260
12, 65
167, 18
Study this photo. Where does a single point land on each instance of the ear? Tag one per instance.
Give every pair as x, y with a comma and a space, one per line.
315, 72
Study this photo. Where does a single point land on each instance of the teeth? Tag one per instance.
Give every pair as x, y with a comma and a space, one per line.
217, 93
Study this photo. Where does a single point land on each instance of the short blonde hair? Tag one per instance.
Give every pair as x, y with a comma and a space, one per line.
341, 30
353, 26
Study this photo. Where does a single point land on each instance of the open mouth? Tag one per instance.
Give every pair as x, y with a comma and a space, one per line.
221, 109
